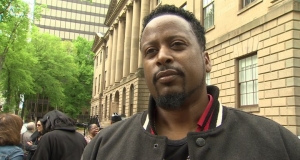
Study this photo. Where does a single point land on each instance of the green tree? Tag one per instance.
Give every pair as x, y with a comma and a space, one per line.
54, 70
15, 62
79, 93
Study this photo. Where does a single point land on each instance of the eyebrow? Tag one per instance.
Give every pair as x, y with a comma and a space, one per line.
167, 39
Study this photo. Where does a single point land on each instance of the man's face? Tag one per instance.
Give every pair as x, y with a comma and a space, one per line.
174, 63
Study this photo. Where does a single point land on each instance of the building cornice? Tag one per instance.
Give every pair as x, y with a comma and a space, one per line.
114, 10
114, 13
98, 41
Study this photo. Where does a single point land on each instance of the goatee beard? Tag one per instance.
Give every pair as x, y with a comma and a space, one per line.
171, 101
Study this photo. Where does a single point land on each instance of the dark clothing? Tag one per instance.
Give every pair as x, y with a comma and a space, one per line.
30, 149
60, 145
241, 135
61, 141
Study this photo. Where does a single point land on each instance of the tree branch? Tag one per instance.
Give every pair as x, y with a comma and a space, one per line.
9, 3
3, 55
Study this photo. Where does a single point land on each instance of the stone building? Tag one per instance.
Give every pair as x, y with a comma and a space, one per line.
254, 47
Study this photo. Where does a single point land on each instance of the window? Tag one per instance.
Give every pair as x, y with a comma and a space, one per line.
95, 85
100, 56
106, 51
104, 79
248, 81
208, 11
207, 78
96, 60
246, 2
99, 83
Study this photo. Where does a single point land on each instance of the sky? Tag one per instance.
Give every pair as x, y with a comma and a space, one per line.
31, 5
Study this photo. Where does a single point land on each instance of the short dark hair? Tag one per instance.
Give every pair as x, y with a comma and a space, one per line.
188, 16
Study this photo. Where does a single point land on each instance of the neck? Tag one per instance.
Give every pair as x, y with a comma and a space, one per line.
91, 135
175, 124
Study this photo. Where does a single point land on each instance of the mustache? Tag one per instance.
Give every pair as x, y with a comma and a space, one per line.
163, 68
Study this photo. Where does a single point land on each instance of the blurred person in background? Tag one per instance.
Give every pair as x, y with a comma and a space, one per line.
115, 118
93, 129
26, 135
60, 140
32, 144
10, 129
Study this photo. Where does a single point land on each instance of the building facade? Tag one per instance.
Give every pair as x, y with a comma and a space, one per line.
69, 19
254, 47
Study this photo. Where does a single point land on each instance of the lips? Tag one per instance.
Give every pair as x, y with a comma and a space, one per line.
166, 76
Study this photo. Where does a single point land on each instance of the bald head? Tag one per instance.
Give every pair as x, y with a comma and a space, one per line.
30, 126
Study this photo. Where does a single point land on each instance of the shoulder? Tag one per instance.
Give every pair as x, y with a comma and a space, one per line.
246, 116
117, 134
58, 133
122, 129
11, 151
255, 123
129, 124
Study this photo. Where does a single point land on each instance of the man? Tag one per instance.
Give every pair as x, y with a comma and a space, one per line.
26, 135
60, 141
115, 118
185, 120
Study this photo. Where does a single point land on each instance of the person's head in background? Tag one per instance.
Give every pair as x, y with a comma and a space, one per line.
39, 127
115, 118
10, 129
31, 126
57, 120
93, 129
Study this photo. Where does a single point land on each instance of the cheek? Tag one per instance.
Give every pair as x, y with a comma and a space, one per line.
195, 71
148, 74
149, 80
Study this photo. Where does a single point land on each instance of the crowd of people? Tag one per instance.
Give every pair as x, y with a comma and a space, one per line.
184, 120
61, 141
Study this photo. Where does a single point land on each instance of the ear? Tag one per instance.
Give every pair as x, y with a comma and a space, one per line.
207, 62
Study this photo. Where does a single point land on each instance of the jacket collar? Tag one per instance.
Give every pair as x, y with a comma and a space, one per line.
216, 119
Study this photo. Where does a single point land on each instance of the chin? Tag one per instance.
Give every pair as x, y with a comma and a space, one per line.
171, 101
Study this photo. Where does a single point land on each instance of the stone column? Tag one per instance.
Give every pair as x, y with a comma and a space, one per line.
135, 36
120, 50
127, 43
109, 58
103, 48
145, 9
114, 55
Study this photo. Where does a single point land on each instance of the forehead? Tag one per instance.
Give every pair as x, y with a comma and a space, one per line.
168, 23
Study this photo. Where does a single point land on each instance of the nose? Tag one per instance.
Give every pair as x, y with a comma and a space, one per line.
164, 56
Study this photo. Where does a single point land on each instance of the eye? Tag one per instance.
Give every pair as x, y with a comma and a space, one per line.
151, 51
178, 45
